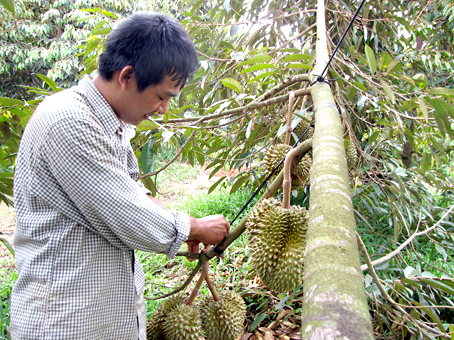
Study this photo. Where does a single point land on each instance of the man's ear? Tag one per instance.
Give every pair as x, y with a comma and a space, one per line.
126, 77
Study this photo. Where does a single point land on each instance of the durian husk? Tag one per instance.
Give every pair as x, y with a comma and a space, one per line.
274, 155
182, 323
277, 239
223, 319
155, 329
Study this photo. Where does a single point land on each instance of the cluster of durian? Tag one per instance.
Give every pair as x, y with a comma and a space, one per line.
174, 320
274, 155
352, 155
223, 319
277, 239
219, 320
299, 130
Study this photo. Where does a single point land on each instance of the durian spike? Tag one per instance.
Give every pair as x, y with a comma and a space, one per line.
287, 184
212, 288
291, 100
202, 277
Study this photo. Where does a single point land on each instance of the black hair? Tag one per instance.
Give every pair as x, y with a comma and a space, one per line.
154, 44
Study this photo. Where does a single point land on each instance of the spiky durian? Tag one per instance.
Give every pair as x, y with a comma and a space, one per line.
277, 241
182, 323
223, 319
299, 130
352, 155
275, 154
155, 329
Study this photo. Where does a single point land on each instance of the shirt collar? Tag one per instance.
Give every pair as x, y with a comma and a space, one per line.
100, 106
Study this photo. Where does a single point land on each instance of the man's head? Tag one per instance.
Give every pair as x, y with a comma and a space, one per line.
154, 44
147, 60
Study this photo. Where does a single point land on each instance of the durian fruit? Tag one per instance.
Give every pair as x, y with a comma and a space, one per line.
277, 241
275, 154
182, 323
155, 329
299, 130
352, 155
223, 319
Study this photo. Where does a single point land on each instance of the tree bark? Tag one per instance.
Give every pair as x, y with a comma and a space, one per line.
335, 305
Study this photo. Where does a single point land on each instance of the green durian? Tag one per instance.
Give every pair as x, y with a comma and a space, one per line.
223, 319
277, 240
352, 155
299, 130
155, 329
275, 154
182, 323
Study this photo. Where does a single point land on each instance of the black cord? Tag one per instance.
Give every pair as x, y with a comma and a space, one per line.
321, 78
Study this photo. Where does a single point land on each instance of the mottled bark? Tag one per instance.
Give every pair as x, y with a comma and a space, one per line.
335, 305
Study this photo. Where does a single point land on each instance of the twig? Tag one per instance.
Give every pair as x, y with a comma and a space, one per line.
403, 245
196, 289
211, 288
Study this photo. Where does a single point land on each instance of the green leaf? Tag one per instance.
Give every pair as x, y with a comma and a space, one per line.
150, 185
441, 91
370, 57
388, 90
394, 66
10, 102
257, 68
147, 156
256, 59
299, 65
8, 4
238, 184
298, 56
53, 85
442, 251
423, 107
406, 78
361, 86
440, 285
9, 247
216, 184
263, 75
384, 60
233, 84
257, 321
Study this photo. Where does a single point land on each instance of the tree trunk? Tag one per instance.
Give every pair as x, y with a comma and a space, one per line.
335, 305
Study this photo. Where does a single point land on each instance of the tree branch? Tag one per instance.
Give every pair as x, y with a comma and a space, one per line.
403, 245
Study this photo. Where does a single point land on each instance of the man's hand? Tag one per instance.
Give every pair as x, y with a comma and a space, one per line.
210, 230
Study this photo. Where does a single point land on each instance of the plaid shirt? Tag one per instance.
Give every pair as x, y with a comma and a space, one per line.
80, 215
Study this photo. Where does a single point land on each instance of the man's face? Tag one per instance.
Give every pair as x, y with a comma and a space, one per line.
154, 100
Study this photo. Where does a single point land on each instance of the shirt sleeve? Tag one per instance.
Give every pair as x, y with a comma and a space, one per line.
84, 162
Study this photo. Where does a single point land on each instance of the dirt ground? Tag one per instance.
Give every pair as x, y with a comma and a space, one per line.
169, 195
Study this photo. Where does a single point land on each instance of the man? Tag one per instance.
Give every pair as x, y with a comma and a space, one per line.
80, 212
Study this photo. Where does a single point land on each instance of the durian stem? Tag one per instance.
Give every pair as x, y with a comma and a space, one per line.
287, 185
291, 100
196, 289
212, 288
